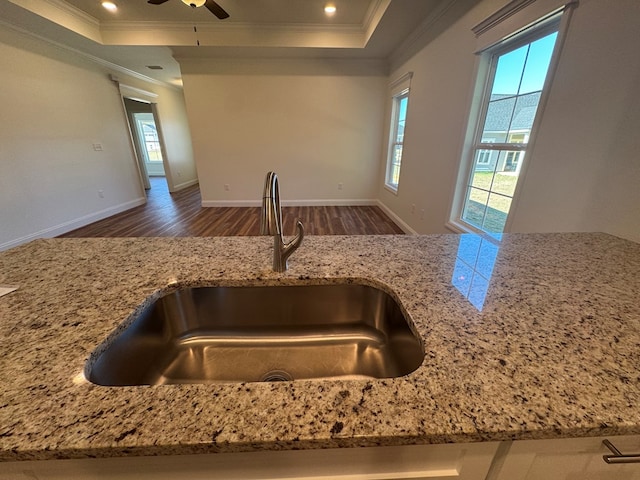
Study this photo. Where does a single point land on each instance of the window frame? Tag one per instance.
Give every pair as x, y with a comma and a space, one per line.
398, 90
393, 140
557, 21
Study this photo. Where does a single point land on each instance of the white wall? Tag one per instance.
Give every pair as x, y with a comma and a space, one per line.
436, 117
583, 174
174, 127
320, 123
315, 123
55, 106
618, 201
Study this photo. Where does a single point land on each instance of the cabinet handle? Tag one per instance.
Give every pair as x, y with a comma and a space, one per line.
618, 456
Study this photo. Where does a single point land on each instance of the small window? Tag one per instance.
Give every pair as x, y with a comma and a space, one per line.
515, 77
484, 158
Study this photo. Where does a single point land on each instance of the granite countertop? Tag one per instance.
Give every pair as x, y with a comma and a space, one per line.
553, 350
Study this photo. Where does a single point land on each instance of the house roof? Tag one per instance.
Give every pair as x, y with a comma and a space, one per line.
511, 112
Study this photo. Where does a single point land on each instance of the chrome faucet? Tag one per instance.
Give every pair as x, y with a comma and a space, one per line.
271, 224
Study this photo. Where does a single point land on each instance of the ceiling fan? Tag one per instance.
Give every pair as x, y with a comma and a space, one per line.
212, 6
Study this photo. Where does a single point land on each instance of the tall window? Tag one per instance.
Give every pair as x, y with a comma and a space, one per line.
514, 83
399, 118
399, 92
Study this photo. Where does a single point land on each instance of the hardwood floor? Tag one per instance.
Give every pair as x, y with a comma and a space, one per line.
181, 215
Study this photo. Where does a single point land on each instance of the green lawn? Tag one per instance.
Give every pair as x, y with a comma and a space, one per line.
503, 183
489, 210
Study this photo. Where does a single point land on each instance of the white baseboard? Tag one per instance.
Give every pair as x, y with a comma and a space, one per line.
231, 203
94, 217
65, 227
317, 203
396, 219
291, 203
182, 186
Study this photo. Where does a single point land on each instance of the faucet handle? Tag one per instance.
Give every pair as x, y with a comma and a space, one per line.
297, 240
282, 251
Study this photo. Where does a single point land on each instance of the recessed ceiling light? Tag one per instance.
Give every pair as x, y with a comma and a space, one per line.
330, 9
110, 6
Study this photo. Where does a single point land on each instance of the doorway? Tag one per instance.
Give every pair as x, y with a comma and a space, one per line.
149, 143
146, 139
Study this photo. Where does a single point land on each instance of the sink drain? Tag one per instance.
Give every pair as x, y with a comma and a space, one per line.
276, 376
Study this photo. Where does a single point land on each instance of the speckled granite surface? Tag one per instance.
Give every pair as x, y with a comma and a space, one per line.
554, 352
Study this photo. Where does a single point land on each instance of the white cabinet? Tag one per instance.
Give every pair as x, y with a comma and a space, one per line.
565, 459
433, 462
562, 459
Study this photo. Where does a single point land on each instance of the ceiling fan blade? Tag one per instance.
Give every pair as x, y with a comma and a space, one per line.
156, 2
216, 9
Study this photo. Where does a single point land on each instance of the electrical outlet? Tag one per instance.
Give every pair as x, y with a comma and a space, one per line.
179, 173
422, 214
226, 187
340, 186
101, 193
413, 208
97, 147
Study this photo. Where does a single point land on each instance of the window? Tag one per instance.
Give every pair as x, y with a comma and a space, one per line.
400, 102
514, 77
397, 137
149, 136
484, 157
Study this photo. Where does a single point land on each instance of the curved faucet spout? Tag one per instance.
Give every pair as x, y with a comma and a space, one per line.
271, 224
271, 217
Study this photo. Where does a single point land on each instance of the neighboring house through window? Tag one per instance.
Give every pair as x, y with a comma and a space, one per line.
400, 103
484, 156
514, 73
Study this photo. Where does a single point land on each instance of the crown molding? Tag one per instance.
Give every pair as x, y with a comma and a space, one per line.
88, 56
414, 41
65, 15
134, 91
63, 7
236, 35
151, 24
71, 10
406, 78
499, 16
373, 17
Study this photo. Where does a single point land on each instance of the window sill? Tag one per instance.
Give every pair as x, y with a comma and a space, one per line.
459, 227
391, 188
456, 227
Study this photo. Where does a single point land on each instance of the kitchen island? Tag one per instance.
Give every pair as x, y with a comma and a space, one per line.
534, 337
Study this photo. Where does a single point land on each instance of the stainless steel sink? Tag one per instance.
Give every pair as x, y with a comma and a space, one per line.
253, 334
